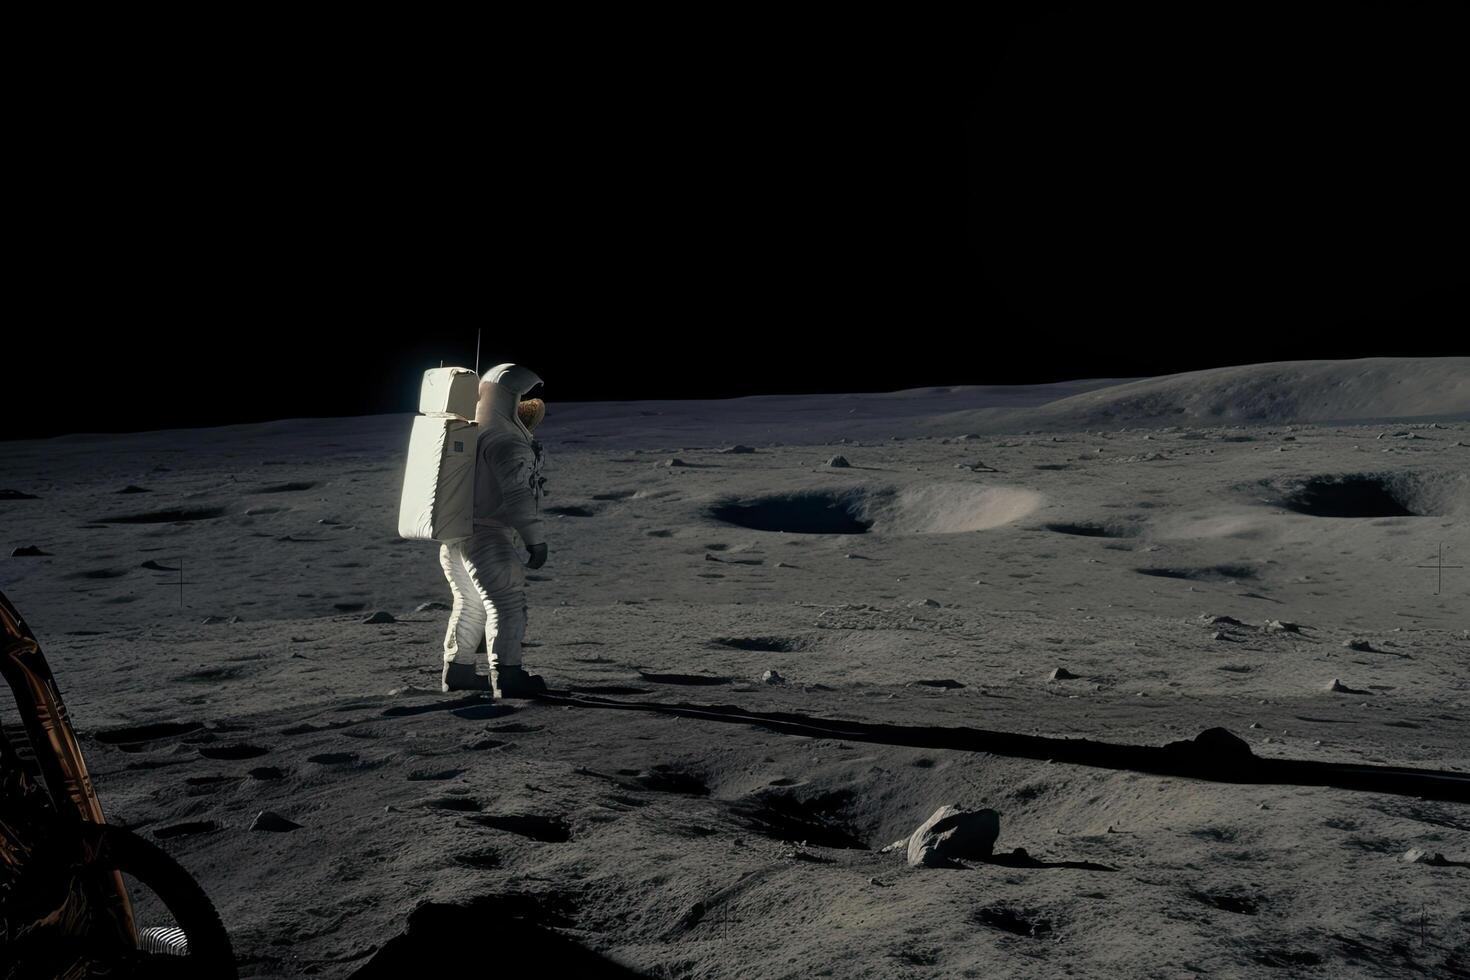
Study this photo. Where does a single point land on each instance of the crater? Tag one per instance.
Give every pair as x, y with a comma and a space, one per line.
673, 779
812, 512
178, 515
816, 820
1019, 922
1369, 495
942, 508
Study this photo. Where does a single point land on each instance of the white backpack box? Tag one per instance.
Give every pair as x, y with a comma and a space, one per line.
438, 499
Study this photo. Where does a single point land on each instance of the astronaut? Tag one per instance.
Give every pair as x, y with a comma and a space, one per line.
485, 572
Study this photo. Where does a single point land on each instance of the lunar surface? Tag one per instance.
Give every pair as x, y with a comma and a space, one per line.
1134, 562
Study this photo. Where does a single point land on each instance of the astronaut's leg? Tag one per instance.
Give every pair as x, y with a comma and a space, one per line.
500, 582
466, 629
496, 565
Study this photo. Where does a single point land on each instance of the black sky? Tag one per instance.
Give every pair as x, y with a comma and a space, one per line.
272, 223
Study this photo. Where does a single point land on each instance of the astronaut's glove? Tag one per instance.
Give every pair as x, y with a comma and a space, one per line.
538, 555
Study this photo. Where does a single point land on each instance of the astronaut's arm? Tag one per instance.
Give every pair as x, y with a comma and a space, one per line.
514, 466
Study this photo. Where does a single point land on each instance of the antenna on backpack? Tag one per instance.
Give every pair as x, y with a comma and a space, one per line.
477, 352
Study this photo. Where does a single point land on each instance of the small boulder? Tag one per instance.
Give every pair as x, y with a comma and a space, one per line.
379, 617
1061, 674
737, 449
952, 835
1362, 646
1415, 855
838, 462
29, 551
772, 677
1277, 626
672, 461
273, 822
432, 607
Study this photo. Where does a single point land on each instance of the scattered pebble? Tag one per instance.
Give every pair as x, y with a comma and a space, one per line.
838, 462
1061, 674
1277, 626
772, 677
671, 462
30, 551
1360, 645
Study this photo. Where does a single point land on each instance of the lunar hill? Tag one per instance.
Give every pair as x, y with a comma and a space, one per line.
1359, 391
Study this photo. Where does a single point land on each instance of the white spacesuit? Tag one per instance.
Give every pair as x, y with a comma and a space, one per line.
485, 571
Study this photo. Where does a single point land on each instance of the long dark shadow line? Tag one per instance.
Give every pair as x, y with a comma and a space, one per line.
1215, 755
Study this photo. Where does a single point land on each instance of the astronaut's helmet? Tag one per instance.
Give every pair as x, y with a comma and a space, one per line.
502, 394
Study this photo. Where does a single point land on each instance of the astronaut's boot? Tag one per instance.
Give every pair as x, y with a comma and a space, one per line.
516, 682
462, 677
